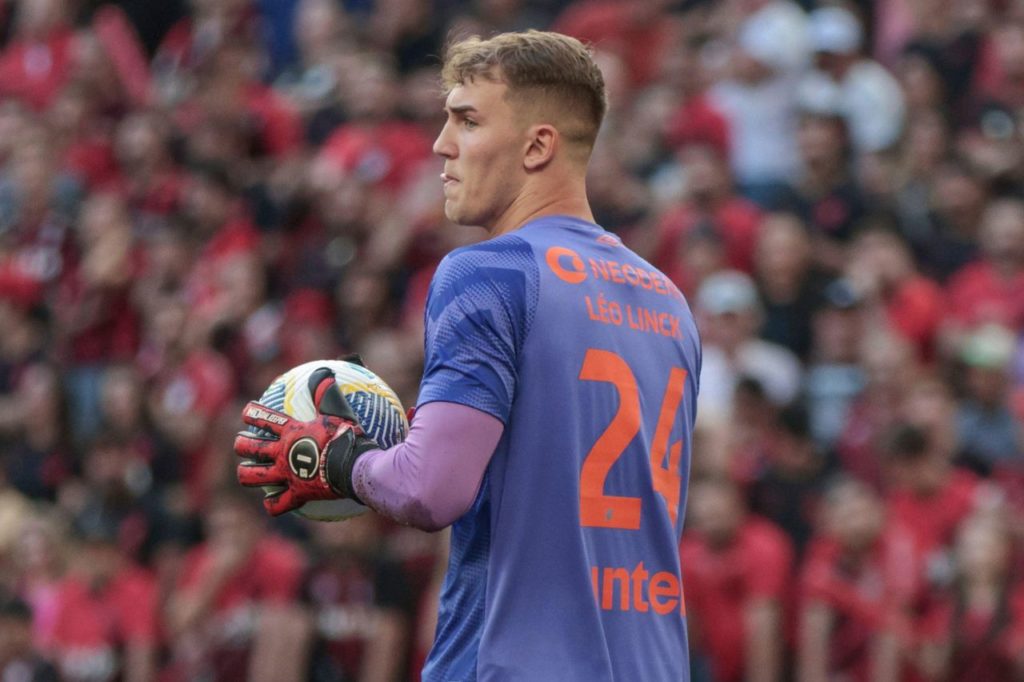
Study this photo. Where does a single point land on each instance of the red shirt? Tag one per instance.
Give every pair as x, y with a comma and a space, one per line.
272, 574
932, 520
865, 596
236, 236
91, 627
697, 121
91, 159
984, 643
612, 25
385, 153
857, 445
736, 221
978, 294
104, 324
721, 583
36, 71
915, 311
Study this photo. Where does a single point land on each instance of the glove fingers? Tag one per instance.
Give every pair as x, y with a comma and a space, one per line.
262, 417
250, 446
253, 474
281, 502
327, 396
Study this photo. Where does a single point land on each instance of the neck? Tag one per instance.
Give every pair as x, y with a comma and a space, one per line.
545, 198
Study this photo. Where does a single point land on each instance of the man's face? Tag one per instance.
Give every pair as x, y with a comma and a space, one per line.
482, 144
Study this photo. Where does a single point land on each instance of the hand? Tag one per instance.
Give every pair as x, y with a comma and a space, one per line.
309, 460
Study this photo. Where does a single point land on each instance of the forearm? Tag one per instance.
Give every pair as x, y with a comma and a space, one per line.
815, 633
764, 641
432, 478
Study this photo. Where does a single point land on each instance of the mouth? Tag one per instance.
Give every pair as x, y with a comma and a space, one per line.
448, 179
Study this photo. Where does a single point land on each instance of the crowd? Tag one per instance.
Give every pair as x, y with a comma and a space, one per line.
196, 197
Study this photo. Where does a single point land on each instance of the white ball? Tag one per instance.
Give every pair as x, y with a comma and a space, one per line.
380, 414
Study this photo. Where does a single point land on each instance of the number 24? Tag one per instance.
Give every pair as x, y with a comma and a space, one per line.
613, 511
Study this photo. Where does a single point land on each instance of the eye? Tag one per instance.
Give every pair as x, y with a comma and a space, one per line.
469, 123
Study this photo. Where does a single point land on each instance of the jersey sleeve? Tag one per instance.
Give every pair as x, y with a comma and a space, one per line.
478, 314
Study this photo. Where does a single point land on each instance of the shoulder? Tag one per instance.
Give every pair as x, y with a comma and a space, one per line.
501, 252
500, 271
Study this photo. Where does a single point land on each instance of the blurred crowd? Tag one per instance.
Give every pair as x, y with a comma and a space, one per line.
197, 195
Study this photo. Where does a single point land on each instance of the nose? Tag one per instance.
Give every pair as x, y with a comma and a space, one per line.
443, 145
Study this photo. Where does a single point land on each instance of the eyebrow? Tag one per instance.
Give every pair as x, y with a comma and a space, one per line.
461, 109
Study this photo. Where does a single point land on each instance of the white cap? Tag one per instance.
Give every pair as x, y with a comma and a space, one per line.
819, 95
834, 29
776, 35
727, 291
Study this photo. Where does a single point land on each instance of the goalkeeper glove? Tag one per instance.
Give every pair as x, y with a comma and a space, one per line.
308, 460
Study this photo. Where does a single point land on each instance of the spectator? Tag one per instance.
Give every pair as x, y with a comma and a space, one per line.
990, 434
96, 320
41, 555
730, 316
19, 658
106, 614
234, 612
788, 281
855, 585
958, 201
360, 603
635, 30
834, 376
757, 98
988, 290
825, 193
37, 62
975, 632
788, 492
909, 304
930, 405
929, 498
151, 183
38, 458
710, 204
889, 367
870, 98
736, 570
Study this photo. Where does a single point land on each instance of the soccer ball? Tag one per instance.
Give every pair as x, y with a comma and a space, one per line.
379, 410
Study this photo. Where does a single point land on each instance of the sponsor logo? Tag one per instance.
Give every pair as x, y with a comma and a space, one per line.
569, 267
272, 417
637, 589
303, 458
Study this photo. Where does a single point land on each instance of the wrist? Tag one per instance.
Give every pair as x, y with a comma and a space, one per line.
341, 455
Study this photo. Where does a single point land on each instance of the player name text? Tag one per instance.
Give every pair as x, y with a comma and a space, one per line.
606, 311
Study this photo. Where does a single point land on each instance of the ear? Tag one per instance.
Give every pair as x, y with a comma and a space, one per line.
543, 139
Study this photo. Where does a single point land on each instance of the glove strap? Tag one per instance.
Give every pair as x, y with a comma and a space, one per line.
342, 453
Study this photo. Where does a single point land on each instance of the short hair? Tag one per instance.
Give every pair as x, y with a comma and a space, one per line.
905, 443
536, 66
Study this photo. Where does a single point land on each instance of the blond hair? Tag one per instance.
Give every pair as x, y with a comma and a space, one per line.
552, 73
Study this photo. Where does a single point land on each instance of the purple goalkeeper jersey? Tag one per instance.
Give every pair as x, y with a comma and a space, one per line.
566, 567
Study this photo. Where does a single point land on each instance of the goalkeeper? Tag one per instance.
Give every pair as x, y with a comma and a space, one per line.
557, 404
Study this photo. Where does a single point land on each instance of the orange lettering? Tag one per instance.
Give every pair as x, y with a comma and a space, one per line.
664, 584
639, 578
599, 268
574, 276
610, 575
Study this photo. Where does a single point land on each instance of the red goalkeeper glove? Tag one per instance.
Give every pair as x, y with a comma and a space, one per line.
308, 460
